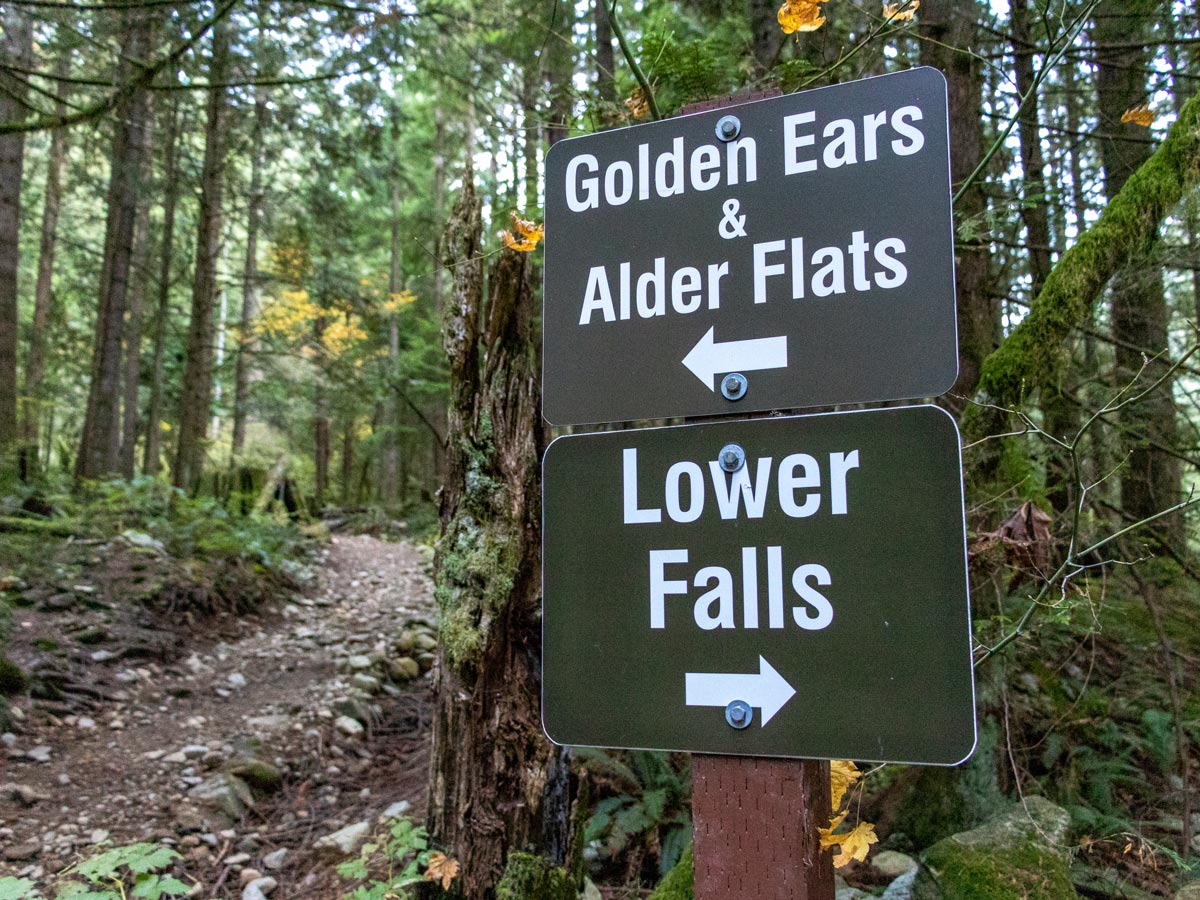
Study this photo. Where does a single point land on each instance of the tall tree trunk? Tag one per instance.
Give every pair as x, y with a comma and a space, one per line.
950, 26
606, 63
43, 292
241, 379
390, 457
138, 284
152, 461
16, 44
765, 34
560, 71
100, 447
347, 459
490, 760
1150, 479
1061, 417
198, 364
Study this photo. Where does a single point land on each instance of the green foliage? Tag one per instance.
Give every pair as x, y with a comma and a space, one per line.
529, 877
679, 884
389, 865
685, 70
651, 805
122, 873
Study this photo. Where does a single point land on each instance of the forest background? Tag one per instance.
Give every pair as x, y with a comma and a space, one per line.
239, 242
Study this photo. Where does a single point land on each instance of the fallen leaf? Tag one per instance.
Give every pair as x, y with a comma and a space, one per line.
441, 868
899, 12
1139, 115
842, 774
800, 15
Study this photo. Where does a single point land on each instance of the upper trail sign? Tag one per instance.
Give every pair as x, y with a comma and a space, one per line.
804, 242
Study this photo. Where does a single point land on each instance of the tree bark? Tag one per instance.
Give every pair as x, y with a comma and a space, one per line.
43, 293
950, 26
16, 44
198, 364
152, 461
241, 378
1060, 411
606, 63
1151, 478
133, 324
765, 34
99, 449
490, 759
390, 457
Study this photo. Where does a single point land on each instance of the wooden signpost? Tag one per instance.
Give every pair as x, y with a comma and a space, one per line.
720, 588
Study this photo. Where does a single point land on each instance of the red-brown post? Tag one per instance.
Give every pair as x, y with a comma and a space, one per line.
755, 828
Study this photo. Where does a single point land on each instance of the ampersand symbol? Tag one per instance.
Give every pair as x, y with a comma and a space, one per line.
732, 225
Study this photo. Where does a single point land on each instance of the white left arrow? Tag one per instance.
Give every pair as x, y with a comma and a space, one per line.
768, 690
708, 357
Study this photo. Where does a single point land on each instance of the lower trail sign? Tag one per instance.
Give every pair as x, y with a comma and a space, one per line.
790, 587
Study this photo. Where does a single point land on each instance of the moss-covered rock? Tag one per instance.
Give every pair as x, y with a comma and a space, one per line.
679, 883
529, 877
12, 679
1018, 854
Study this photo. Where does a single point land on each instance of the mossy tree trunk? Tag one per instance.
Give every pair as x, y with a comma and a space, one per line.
490, 777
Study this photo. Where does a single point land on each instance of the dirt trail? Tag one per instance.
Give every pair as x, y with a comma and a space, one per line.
307, 706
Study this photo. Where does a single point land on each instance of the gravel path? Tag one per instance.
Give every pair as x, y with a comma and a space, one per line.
303, 722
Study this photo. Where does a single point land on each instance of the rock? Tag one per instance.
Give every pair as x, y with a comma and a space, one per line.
426, 661
99, 836
39, 754
342, 842
22, 793
86, 723
359, 663
902, 887
1015, 854
426, 642
395, 811
368, 684
248, 875
405, 668
348, 726
590, 891
194, 751
142, 541
103, 656
19, 852
224, 793
850, 893
891, 864
259, 888
261, 776
236, 859
236, 680
275, 859
1189, 892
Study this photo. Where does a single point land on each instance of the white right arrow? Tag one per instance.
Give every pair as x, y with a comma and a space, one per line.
768, 690
708, 357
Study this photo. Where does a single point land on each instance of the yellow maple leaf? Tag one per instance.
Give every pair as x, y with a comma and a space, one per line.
842, 774
441, 868
855, 843
527, 236
901, 12
800, 15
1139, 115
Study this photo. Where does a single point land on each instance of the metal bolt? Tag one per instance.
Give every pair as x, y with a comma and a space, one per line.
728, 127
733, 386
738, 714
732, 457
